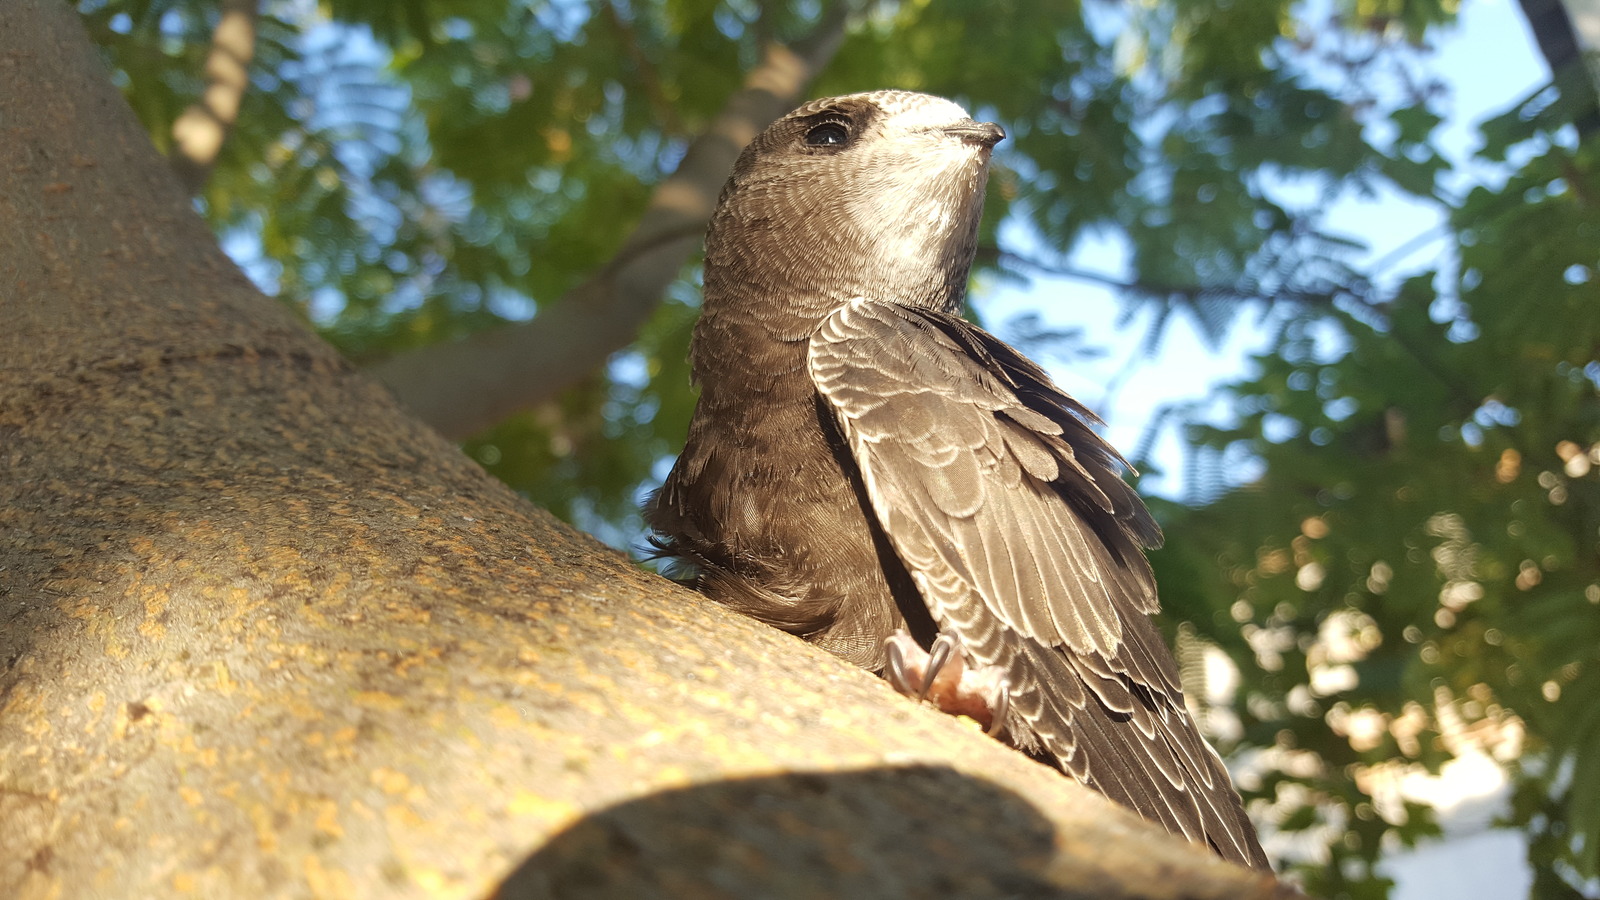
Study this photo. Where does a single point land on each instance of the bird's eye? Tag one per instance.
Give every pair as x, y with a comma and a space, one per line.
828, 134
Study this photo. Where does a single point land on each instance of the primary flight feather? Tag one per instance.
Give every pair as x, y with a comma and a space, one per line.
864, 461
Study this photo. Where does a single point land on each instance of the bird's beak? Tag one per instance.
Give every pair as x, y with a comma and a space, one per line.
984, 134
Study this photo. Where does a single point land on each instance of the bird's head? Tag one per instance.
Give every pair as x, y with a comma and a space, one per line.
876, 194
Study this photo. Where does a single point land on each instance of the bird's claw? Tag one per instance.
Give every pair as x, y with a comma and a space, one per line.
945, 648
895, 668
999, 707
944, 676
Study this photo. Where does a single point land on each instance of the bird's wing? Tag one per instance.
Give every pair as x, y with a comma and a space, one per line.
1014, 496
1011, 515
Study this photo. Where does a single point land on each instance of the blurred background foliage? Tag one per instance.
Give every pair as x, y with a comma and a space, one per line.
1409, 569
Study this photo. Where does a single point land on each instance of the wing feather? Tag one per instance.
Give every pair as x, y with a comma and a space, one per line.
1020, 535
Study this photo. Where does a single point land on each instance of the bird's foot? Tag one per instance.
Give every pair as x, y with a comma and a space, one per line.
945, 677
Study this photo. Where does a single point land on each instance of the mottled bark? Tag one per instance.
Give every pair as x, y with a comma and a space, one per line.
263, 635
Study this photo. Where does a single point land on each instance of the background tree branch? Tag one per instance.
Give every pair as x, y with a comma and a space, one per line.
465, 386
198, 134
1564, 51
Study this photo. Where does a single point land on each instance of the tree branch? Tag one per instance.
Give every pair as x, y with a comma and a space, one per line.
198, 134
464, 386
1563, 51
1243, 291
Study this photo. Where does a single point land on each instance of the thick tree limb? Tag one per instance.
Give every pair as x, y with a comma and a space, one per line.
263, 635
198, 134
464, 386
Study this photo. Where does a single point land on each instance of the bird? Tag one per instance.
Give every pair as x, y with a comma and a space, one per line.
870, 471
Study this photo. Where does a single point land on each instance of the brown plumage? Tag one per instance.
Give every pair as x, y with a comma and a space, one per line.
863, 460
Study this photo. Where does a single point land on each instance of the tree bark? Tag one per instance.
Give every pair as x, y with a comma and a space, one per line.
266, 636
462, 387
